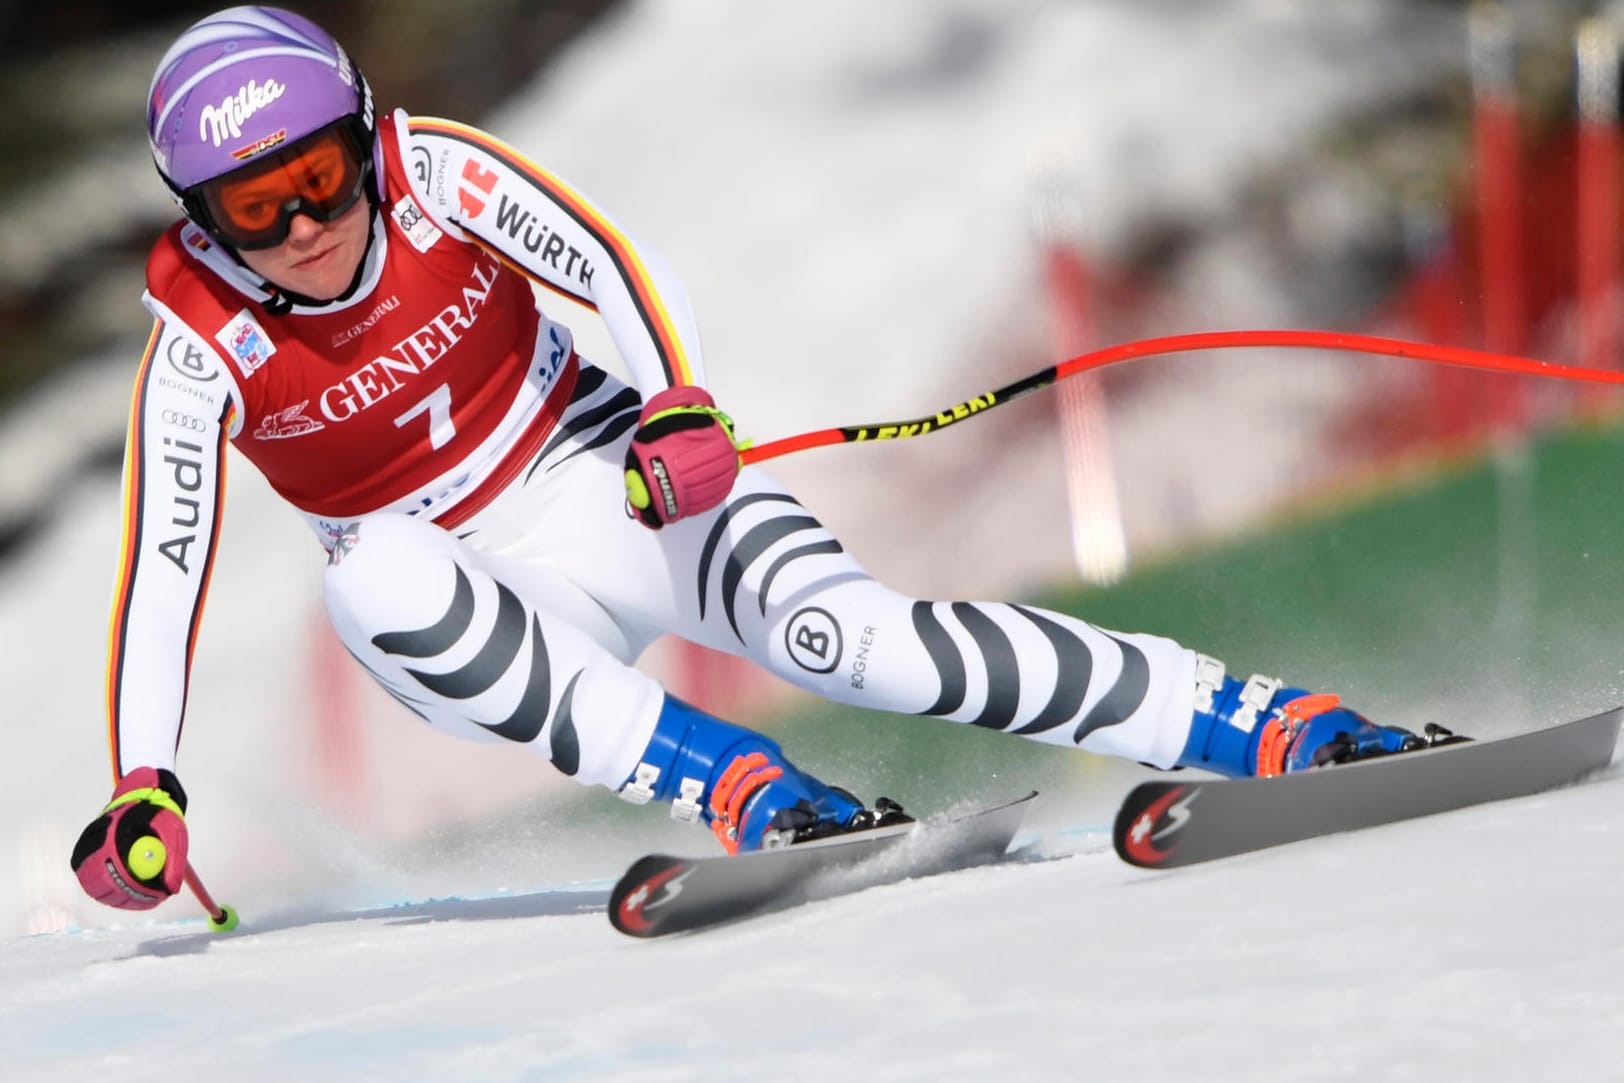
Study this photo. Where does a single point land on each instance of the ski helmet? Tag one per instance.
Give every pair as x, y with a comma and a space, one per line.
243, 86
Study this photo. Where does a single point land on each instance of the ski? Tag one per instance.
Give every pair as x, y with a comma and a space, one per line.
661, 894
1166, 824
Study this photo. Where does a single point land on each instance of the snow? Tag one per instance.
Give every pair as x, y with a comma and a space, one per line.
845, 189
1482, 944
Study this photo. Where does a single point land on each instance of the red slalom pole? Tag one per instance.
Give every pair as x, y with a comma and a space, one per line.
1171, 344
222, 919
1599, 215
1497, 158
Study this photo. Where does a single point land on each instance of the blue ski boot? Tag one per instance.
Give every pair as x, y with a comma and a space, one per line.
1262, 728
740, 784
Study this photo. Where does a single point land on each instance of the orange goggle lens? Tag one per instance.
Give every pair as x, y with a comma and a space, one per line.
320, 176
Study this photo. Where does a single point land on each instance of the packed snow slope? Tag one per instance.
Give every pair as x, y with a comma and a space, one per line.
1478, 945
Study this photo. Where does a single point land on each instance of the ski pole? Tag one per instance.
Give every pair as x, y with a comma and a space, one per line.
222, 918
1208, 340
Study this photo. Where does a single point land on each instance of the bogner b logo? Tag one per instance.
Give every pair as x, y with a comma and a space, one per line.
814, 641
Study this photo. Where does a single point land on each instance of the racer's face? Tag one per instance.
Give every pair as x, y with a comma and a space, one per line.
318, 259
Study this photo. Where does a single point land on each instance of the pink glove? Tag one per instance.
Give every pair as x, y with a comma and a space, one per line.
682, 460
133, 856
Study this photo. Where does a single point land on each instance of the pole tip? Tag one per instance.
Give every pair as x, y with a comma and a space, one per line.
225, 921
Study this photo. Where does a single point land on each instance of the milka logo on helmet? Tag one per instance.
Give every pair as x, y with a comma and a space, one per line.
227, 119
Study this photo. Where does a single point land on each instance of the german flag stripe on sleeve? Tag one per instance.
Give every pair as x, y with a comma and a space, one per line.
135, 490
134, 481
622, 253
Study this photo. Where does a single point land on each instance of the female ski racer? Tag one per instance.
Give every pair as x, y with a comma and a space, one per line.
348, 301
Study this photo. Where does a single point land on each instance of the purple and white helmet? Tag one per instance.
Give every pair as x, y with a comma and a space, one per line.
245, 81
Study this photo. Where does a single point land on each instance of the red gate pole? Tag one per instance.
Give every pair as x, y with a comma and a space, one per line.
1098, 535
1496, 154
1598, 218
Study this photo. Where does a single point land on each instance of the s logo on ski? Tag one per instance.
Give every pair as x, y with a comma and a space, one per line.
1160, 823
651, 894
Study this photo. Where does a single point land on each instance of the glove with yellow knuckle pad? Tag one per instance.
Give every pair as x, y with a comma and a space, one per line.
133, 856
682, 460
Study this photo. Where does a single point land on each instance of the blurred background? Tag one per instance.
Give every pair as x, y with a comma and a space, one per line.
879, 210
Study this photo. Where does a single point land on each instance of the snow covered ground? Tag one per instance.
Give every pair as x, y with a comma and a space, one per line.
1480, 945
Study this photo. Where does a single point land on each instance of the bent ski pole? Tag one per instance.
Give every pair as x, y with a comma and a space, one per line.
1208, 340
222, 918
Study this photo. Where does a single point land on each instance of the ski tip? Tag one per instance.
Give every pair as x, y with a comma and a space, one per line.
1149, 825
635, 901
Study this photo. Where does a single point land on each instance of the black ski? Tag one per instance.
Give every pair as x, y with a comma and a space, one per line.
1165, 824
661, 894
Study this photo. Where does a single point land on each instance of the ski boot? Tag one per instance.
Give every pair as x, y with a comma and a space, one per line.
1262, 728
741, 784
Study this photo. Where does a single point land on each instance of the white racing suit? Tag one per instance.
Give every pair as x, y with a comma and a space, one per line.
463, 467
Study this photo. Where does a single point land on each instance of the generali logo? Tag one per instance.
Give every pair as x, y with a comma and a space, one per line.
227, 119
285, 423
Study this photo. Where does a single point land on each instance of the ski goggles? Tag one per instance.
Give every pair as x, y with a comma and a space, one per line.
321, 175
